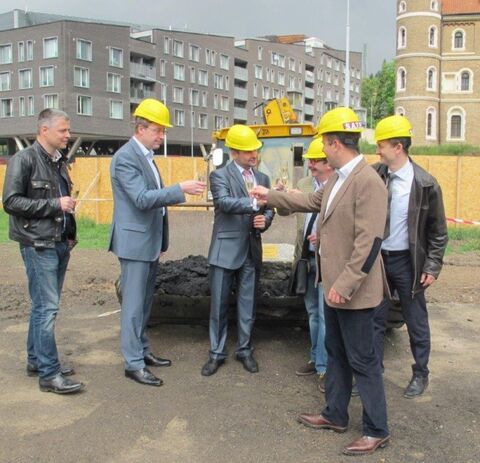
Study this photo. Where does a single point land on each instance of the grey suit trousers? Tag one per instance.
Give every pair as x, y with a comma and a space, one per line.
138, 284
221, 280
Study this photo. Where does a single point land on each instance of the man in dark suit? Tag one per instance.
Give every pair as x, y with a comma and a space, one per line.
236, 247
139, 232
415, 240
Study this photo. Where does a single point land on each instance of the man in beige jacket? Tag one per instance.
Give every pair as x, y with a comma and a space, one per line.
352, 213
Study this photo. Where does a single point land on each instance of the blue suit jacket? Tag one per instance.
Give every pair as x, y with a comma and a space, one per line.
233, 235
139, 228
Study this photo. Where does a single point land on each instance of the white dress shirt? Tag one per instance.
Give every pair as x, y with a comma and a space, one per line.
401, 186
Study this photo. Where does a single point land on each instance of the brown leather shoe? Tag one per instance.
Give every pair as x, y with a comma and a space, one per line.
319, 422
365, 445
306, 369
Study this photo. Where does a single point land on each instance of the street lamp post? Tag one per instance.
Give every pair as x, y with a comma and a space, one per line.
346, 102
191, 123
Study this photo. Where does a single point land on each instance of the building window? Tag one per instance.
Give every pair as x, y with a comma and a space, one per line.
204, 99
30, 106
431, 78
6, 54
84, 105
202, 77
210, 57
115, 57
456, 124
194, 97
114, 83
178, 48
465, 81
215, 101
432, 37
81, 77
179, 117
400, 111
50, 47
458, 40
47, 77
218, 122
21, 52
166, 45
84, 49
266, 93
29, 50
281, 78
431, 124
162, 68
224, 103
402, 7
25, 78
178, 95
194, 53
203, 121
5, 81
218, 81
258, 72
402, 37
192, 75
178, 71
401, 79
6, 107
259, 53
434, 5
116, 109
50, 101
224, 62
22, 110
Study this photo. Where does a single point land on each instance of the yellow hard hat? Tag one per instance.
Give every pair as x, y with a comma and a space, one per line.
242, 138
315, 150
393, 127
339, 120
154, 111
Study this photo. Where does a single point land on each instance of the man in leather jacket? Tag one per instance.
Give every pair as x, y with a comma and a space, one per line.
37, 195
414, 243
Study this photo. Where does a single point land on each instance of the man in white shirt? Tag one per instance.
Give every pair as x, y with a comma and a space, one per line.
414, 242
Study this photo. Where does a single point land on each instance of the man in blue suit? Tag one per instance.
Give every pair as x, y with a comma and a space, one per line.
236, 247
139, 232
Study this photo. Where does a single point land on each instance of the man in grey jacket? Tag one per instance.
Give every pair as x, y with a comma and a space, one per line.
37, 195
236, 247
139, 232
415, 240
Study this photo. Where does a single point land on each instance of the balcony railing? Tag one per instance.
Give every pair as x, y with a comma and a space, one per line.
143, 71
241, 73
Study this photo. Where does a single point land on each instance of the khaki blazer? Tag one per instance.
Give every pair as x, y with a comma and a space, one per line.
350, 234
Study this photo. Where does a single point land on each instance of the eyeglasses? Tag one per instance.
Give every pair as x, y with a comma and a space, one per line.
156, 130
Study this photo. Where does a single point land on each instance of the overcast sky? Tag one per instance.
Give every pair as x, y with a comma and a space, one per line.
372, 22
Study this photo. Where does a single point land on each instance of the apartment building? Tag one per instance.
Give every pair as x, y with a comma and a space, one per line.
438, 64
98, 72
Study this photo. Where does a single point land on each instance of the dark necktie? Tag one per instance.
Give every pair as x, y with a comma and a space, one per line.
388, 183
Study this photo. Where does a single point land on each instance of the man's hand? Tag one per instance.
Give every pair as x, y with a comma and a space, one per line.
193, 187
259, 222
259, 192
279, 186
295, 191
426, 280
67, 204
312, 238
335, 297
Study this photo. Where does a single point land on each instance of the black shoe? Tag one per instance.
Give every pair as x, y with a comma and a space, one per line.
249, 363
143, 376
154, 361
211, 367
32, 370
416, 387
60, 385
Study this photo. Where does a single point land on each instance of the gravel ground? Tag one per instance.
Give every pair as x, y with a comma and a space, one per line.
232, 416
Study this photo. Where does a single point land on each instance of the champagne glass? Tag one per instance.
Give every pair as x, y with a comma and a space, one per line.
250, 184
284, 177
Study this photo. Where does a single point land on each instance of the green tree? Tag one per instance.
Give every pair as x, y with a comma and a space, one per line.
378, 92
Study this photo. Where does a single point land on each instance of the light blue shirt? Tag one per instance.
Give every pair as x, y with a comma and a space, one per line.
401, 186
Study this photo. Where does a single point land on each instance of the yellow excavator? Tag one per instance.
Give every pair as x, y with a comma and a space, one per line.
284, 142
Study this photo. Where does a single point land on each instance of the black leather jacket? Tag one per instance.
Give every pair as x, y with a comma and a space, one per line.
427, 225
31, 196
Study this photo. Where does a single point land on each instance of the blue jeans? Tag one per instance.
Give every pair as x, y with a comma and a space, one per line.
46, 272
316, 319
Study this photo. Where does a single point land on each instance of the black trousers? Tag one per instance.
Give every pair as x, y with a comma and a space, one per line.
350, 349
400, 277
